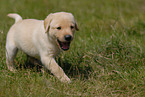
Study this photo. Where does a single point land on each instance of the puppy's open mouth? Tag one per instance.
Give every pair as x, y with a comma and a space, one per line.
63, 45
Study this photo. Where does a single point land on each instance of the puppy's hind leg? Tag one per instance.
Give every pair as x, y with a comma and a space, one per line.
11, 51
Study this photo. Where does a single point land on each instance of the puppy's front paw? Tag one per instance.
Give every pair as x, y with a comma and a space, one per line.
12, 69
65, 79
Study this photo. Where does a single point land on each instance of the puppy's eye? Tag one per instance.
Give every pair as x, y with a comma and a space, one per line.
59, 28
71, 27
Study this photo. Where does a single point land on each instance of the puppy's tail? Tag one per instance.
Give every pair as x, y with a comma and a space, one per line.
15, 16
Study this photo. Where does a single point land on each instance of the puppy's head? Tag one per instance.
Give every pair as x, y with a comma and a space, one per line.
61, 27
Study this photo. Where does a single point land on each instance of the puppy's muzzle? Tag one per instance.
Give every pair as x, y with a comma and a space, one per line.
64, 45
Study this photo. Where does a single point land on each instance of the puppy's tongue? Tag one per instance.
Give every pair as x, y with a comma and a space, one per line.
65, 45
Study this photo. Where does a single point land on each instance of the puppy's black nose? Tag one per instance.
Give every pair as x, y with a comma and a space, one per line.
68, 37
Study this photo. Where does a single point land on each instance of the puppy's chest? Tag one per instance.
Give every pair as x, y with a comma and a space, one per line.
53, 51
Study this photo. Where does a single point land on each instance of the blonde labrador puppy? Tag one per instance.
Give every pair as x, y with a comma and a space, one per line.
41, 39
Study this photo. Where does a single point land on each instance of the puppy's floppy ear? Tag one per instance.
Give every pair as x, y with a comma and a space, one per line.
76, 26
47, 22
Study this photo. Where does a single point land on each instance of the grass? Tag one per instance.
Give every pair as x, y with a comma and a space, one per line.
106, 58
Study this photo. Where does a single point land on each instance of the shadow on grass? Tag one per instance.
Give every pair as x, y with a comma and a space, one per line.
33, 64
78, 70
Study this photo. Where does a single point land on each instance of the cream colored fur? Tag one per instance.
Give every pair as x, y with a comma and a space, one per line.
38, 39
